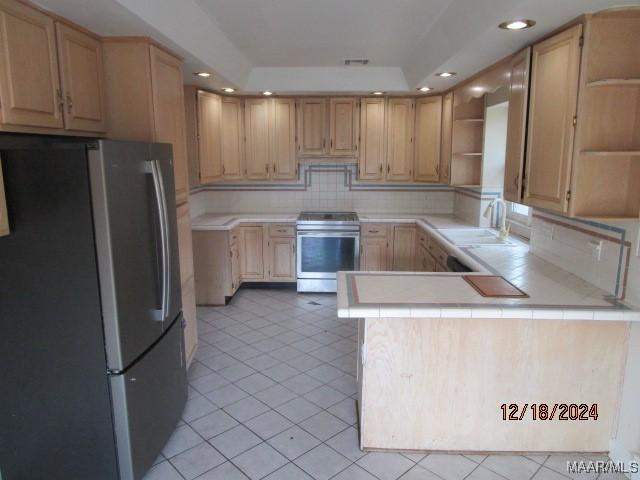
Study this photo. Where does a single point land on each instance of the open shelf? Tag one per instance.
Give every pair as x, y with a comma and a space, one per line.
607, 186
467, 141
469, 119
614, 82
469, 154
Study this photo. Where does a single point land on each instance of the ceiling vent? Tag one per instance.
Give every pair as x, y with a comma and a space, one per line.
356, 61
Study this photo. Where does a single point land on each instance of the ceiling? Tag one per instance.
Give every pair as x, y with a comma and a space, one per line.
299, 46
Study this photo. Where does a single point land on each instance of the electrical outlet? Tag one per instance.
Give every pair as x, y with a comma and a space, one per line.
596, 248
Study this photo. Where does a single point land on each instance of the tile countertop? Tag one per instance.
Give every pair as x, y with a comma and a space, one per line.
553, 293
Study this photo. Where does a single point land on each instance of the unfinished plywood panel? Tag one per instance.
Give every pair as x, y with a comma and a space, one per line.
438, 384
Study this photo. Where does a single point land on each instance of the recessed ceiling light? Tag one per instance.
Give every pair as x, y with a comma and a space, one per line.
517, 24
203, 74
377, 93
267, 93
228, 90
445, 74
424, 89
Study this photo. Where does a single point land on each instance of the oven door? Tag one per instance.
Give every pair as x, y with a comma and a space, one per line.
322, 253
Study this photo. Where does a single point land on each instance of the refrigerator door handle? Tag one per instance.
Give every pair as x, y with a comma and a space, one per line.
161, 205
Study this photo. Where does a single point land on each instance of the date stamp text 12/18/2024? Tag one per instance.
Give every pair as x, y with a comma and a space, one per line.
549, 412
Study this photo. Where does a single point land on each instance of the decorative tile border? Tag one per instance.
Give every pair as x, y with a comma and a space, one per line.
309, 170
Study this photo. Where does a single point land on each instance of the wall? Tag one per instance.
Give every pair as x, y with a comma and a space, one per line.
323, 186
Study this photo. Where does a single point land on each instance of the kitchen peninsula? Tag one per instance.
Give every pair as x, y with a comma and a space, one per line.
440, 365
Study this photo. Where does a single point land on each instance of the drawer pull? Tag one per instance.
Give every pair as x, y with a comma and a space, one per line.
280, 230
374, 231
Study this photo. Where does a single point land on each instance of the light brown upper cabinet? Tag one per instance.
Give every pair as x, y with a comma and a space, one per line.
232, 138
343, 126
428, 138
282, 130
400, 139
168, 113
145, 99
29, 82
312, 127
552, 113
445, 145
372, 139
209, 138
516, 125
256, 122
48, 83
81, 69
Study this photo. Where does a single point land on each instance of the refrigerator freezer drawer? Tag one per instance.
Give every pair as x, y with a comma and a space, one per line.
148, 400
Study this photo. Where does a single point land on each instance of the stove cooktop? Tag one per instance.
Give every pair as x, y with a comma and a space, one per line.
328, 217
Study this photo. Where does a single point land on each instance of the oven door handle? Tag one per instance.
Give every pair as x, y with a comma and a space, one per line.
327, 233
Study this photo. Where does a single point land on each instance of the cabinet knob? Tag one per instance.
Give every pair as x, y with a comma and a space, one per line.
69, 103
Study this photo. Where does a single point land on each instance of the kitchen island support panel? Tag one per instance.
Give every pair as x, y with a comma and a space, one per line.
437, 384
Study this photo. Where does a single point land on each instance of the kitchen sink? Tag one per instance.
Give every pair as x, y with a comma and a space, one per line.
469, 237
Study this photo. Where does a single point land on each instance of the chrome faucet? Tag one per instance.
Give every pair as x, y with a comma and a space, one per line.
504, 230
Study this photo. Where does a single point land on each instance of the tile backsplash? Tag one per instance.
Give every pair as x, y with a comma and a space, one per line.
323, 187
604, 254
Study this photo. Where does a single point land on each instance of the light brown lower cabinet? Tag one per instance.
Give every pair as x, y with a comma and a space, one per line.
404, 247
185, 252
282, 259
252, 252
235, 267
374, 254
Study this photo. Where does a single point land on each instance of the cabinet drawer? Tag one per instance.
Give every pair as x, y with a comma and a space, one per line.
374, 230
282, 230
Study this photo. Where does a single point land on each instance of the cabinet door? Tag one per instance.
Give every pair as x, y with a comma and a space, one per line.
372, 139
282, 259
232, 138
404, 247
343, 126
374, 254
251, 253
29, 83
256, 124
445, 146
168, 113
283, 139
81, 69
428, 138
516, 125
400, 139
209, 136
554, 91
312, 127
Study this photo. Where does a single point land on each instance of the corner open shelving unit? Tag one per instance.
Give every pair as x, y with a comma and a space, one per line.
606, 180
468, 134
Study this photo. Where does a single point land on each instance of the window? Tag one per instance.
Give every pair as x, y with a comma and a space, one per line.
519, 213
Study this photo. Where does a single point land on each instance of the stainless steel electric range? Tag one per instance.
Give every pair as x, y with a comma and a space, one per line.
327, 243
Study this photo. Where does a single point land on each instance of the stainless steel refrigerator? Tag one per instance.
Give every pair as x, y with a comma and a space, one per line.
92, 368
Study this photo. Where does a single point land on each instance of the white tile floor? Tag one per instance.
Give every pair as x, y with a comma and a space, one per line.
271, 397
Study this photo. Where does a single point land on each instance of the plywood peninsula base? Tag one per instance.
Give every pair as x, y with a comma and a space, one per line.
437, 384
